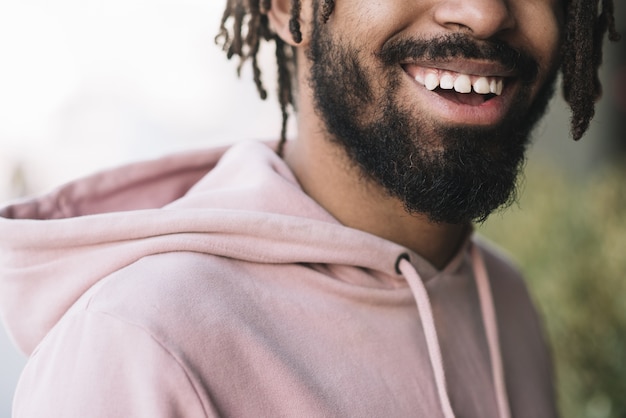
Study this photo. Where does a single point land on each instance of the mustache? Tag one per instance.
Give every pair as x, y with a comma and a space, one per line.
459, 45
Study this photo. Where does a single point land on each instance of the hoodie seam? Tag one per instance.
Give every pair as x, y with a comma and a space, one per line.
156, 340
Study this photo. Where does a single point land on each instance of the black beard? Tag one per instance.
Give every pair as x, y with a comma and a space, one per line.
451, 174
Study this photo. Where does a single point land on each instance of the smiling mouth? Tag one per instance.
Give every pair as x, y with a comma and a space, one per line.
468, 89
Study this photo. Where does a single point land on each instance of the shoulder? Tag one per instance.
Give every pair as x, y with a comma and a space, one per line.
194, 304
177, 292
144, 331
525, 349
96, 363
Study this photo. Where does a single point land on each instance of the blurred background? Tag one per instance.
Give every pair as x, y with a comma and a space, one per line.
86, 84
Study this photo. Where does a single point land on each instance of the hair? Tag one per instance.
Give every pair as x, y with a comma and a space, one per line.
245, 24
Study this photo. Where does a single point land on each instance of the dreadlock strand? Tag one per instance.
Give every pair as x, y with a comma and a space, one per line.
223, 35
266, 5
257, 78
579, 72
608, 14
327, 9
600, 29
582, 55
254, 10
285, 90
236, 45
253, 42
243, 27
294, 21
264, 28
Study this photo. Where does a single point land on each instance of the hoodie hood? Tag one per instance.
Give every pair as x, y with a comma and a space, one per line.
243, 203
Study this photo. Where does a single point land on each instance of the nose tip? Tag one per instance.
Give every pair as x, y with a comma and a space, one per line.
483, 19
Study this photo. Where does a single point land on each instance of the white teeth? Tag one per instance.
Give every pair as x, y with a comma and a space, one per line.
463, 84
493, 86
481, 85
499, 87
431, 81
496, 86
447, 82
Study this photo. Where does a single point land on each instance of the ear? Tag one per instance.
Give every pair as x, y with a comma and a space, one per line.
280, 18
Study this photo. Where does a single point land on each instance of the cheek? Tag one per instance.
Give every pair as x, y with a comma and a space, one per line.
541, 24
372, 22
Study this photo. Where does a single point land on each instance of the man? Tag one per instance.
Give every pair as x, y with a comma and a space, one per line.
339, 280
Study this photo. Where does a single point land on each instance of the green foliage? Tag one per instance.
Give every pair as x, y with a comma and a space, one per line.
569, 239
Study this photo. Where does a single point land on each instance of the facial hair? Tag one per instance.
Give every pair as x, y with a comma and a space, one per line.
451, 174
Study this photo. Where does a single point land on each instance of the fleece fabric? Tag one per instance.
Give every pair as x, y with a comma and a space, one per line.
209, 284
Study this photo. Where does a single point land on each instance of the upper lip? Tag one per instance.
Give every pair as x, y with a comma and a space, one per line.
465, 66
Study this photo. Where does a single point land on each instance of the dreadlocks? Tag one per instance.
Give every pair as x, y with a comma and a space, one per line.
582, 55
245, 23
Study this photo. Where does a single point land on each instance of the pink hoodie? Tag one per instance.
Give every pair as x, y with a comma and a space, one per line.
204, 285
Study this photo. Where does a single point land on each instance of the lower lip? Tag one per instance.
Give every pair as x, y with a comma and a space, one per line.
488, 113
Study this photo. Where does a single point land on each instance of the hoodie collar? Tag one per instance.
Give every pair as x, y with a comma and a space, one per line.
243, 203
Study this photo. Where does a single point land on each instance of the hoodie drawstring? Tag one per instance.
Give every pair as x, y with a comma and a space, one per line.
491, 329
432, 341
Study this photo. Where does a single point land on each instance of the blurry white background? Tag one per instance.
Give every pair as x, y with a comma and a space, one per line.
86, 84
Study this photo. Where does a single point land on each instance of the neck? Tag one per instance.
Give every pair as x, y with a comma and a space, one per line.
328, 176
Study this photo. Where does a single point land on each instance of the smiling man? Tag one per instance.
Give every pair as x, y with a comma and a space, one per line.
335, 275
